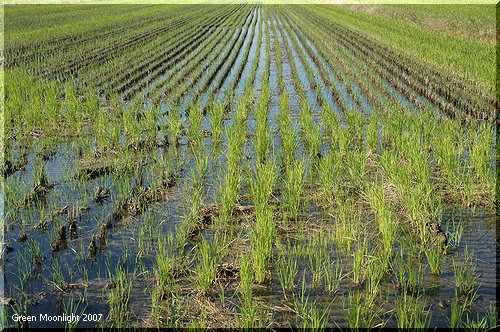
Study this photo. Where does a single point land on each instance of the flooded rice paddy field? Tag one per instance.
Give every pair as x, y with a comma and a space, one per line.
246, 166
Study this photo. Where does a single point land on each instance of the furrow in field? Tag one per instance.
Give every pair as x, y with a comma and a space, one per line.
356, 59
90, 33
104, 75
159, 63
364, 84
167, 84
149, 80
241, 60
359, 89
48, 48
393, 84
355, 88
106, 53
428, 82
229, 71
157, 68
403, 88
339, 70
287, 75
313, 72
384, 85
273, 73
453, 84
305, 81
261, 68
197, 76
334, 87
246, 75
200, 86
256, 61
63, 60
221, 64
197, 48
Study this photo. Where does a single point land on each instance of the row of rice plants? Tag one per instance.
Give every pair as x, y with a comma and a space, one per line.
148, 51
193, 68
64, 64
453, 93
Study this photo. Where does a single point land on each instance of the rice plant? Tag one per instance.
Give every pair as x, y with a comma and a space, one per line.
434, 259
206, 269
287, 271
293, 189
465, 273
411, 313
333, 276
361, 312
118, 297
216, 113
248, 307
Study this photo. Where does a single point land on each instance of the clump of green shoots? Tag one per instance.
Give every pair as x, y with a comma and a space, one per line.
194, 200
361, 310
131, 125
262, 239
216, 113
118, 298
330, 121
287, 134
317, 262
454, 234
311, 134
457, 311
263, 137
486, 323
163, 271
434, 259
248, 308
72, 106
354, 121
342, 139
384, 216
346, 225
356, 161
287, 271
233, 178
409, 272
206, 269
465, 274
372, 133
174, 124
293, 189
358, 264
162, 294
308, 315
481, 156
374, 272
195, 133
150, 125
410, 312
263, 232
333, 276
449, 145
329, 172
69, 308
